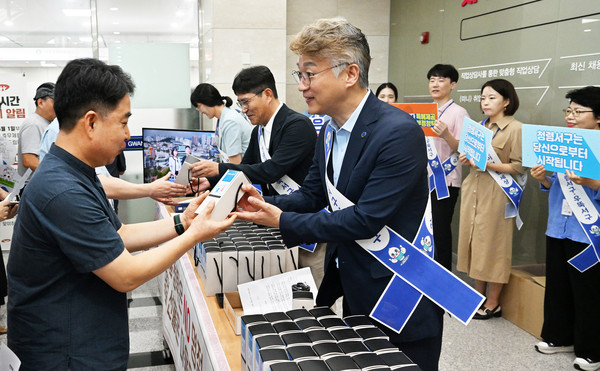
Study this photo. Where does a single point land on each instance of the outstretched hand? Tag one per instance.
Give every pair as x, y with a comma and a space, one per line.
252, 207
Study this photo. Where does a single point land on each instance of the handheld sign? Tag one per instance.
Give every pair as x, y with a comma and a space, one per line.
560, 149
475, 139
424, 113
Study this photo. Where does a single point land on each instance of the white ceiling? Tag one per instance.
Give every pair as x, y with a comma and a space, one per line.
30, 27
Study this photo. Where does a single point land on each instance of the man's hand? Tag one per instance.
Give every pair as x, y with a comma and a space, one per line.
7, 210
198, 185
204, 168
161, 188
201, 225
440, 129
252, 207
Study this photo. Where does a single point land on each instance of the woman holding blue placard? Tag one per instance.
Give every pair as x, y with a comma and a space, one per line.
572, 298
485, 235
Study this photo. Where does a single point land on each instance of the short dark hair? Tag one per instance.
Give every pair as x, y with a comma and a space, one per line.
443, 70
254, 80
587, 97
209, 96
387, 85
89, 84
507, 91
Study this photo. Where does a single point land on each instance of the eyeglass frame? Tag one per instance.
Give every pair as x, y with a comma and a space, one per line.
575, 112
299, 75
243, 104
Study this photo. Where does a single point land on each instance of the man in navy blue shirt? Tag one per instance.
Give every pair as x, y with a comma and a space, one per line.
70, 262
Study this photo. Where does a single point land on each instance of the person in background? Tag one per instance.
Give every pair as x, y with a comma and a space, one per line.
572, 298
442, 80
485, 235
188, 152
8, 210
161, 190
232, 131
71, 261
174, 163
116, 169
387, 92
33, 127
379, 163
288, 137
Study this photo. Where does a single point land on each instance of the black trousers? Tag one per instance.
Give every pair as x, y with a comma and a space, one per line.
442, 212
572, 300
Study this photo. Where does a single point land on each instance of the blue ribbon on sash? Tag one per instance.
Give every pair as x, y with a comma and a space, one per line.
587, 216
416, 273
437, 172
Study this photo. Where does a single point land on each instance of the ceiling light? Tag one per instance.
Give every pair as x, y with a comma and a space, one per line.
77, 12
588, 30
51, 41
180, 13
589, 20
114, 9
9, 23
116, 33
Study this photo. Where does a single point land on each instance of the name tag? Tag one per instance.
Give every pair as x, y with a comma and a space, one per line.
566, 210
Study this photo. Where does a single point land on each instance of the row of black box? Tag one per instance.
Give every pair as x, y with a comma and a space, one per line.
317, 339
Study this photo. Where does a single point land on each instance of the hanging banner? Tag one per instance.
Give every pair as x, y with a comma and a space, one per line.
424, 113
12, 106
475, 139
560, 149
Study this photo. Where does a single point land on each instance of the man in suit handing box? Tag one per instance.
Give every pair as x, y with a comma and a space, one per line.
378, 163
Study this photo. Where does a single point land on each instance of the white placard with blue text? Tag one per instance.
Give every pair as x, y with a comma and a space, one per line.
560, 149
475, 139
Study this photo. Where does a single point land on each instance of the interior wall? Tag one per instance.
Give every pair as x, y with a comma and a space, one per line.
544, 47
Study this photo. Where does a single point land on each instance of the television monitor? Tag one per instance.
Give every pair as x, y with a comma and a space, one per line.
160, 144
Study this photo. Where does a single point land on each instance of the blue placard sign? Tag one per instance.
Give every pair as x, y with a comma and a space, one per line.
560, 149
475, 139
134, 144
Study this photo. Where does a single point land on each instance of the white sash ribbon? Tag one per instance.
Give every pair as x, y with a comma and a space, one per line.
285, 185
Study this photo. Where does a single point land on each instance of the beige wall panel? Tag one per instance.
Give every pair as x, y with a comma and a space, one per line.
303, 12
249, 14
231, 49
372, 17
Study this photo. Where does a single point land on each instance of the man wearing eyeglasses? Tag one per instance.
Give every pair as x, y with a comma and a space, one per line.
286, 138
371, 159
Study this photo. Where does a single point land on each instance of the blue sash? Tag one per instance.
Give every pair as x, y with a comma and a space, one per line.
587, 216
416, 273
438, 174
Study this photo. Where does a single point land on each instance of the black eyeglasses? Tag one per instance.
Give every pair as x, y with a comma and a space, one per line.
305, 77
243, 104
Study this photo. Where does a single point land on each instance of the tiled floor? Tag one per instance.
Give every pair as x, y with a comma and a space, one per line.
494, 344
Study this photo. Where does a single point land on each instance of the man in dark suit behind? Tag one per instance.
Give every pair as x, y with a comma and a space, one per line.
288, 136
379, 163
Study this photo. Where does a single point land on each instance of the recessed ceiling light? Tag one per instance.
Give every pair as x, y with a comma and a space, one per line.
9, 23
114, 9
589, 20
76, 12
588, 30
180, 13
116, 33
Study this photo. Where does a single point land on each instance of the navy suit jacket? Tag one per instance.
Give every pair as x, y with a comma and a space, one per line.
291, 147
384, 173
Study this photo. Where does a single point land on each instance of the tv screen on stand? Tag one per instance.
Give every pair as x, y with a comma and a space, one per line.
165, 150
